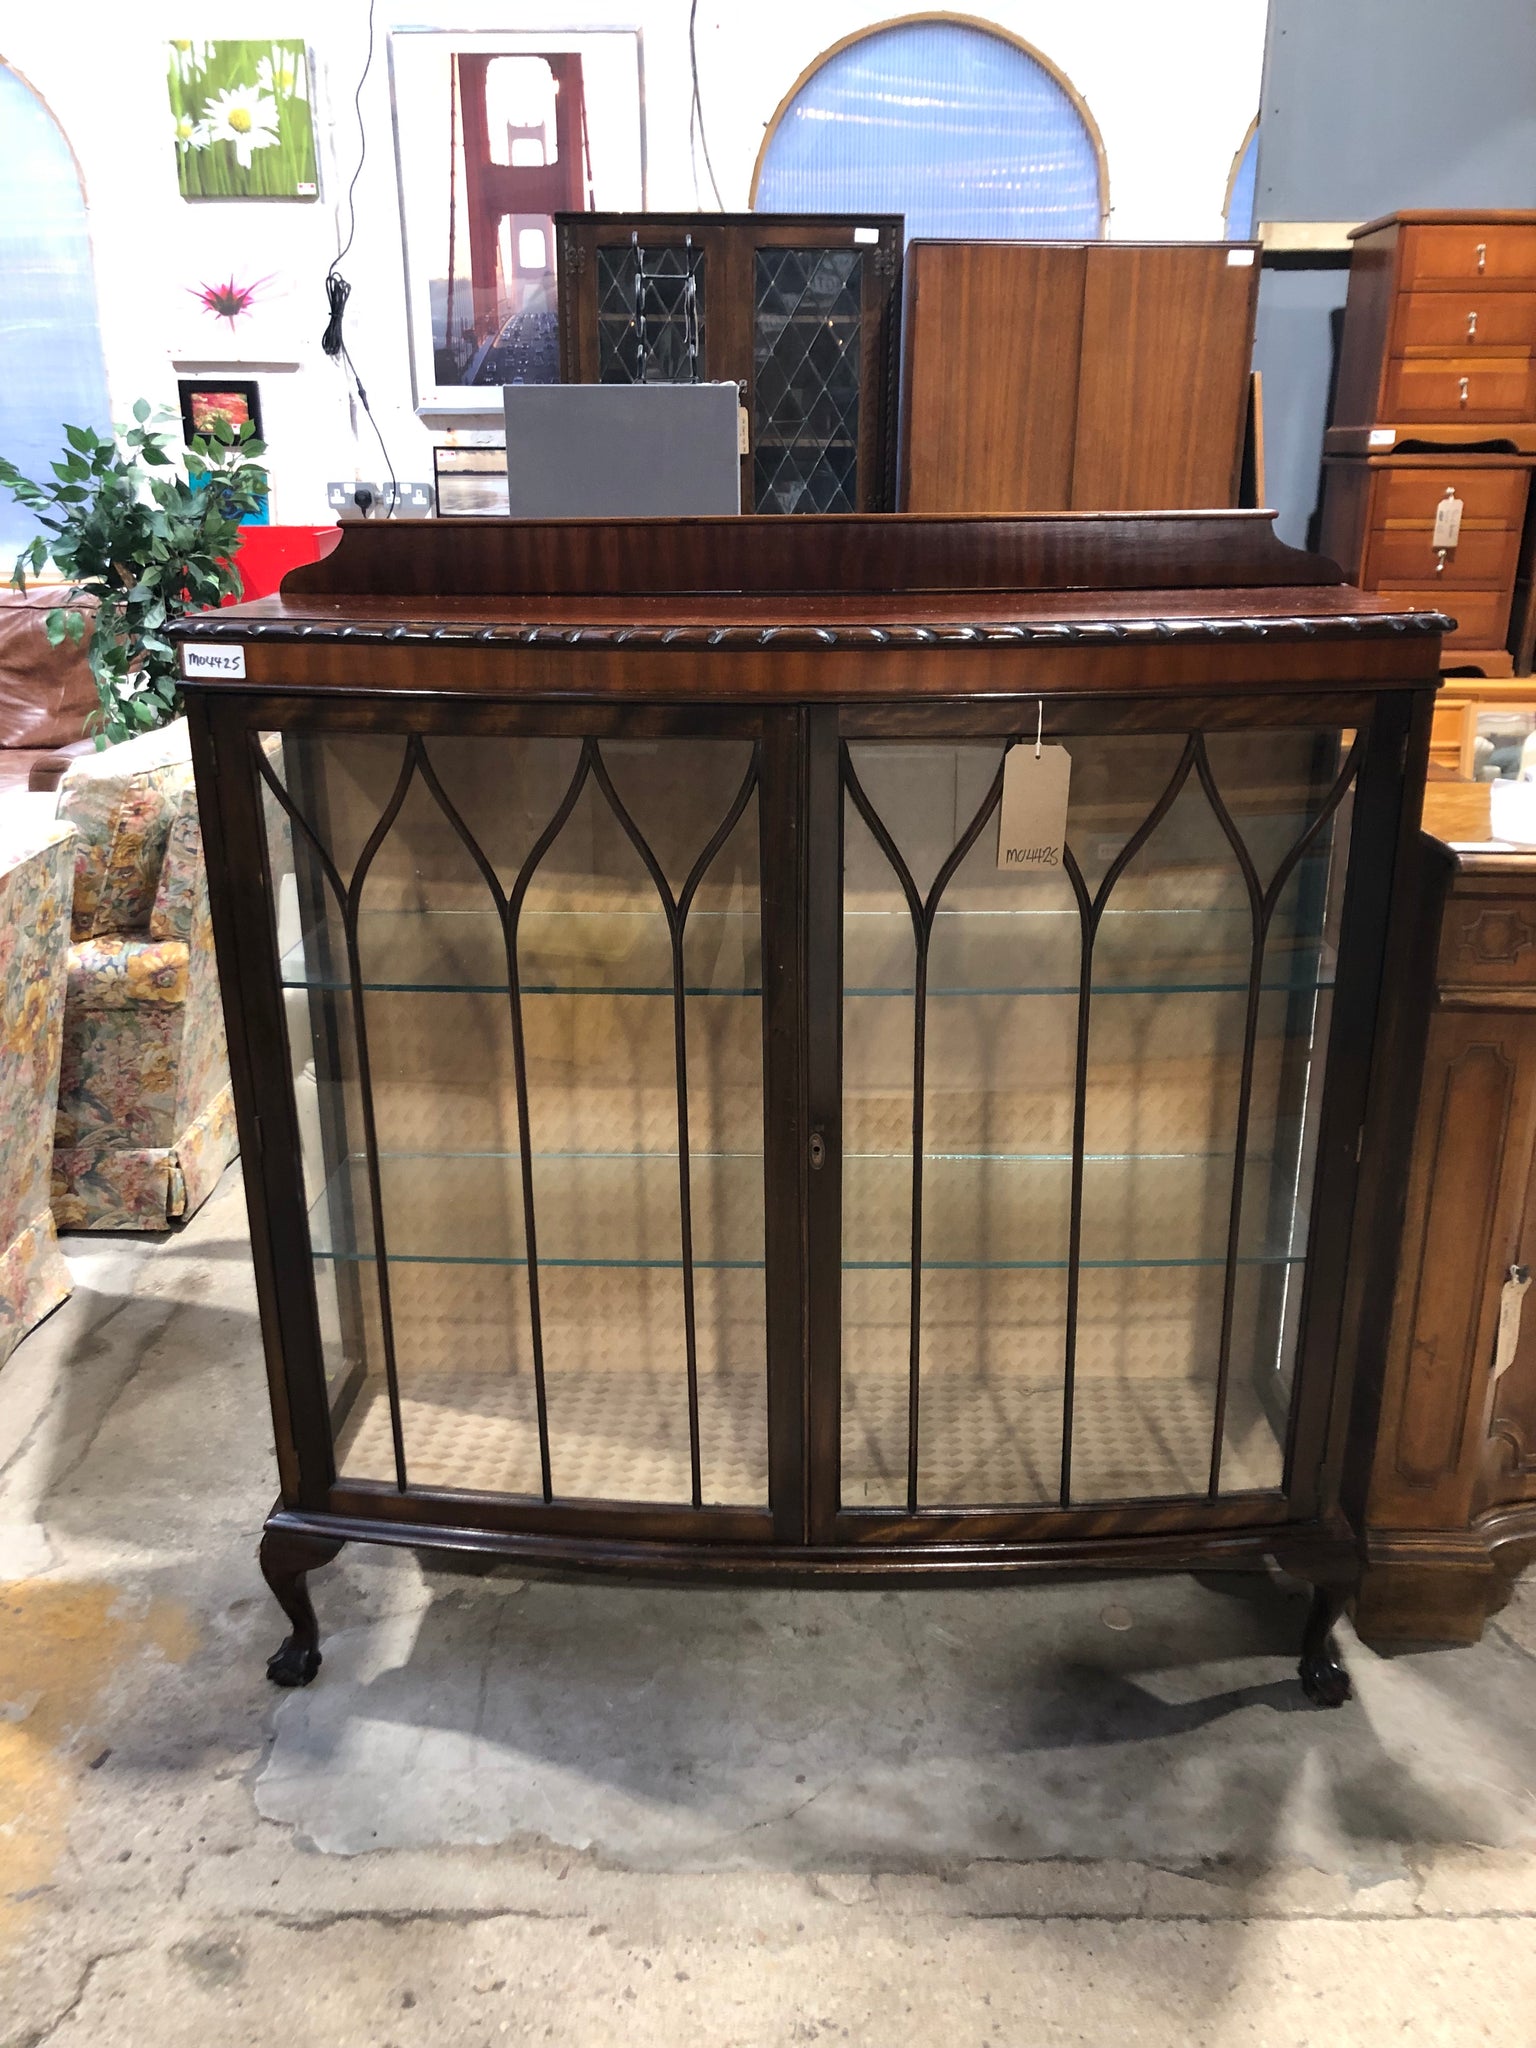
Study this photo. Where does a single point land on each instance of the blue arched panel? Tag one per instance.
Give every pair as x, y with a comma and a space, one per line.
51, 369
960, 130
1240, 198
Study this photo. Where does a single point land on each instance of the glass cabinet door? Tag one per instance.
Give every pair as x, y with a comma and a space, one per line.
1079, 1117
808, 342
523, 986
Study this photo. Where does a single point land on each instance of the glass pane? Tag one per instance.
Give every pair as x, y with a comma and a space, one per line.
650, 315
807, 315
1125, 1124
403, 1010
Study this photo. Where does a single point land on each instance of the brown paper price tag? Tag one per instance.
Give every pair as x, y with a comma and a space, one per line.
1032, 818
1447, 521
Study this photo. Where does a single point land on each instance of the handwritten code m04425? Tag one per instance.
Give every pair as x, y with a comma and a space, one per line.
226, 663
1032, 816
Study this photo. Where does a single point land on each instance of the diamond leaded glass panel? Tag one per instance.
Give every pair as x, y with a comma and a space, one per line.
807, 335
645, 339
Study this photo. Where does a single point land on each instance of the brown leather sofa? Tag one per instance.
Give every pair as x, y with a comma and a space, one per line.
46, 694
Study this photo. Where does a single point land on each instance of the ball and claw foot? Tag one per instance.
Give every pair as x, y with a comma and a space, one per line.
293, 1664
287, 1558
1323, 1677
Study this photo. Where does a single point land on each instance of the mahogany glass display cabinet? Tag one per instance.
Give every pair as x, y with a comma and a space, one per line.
675, 1146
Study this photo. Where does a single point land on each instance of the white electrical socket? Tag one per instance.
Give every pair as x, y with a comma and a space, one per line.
415, 500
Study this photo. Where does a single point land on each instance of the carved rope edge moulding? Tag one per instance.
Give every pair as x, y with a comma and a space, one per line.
1087, 633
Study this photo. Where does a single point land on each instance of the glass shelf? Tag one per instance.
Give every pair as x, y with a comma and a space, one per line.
613, 1210
973, 953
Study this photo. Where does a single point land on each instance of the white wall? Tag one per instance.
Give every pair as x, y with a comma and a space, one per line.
1172, 88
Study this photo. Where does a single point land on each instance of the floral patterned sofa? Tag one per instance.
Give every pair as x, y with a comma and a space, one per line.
36, 855
145, 1124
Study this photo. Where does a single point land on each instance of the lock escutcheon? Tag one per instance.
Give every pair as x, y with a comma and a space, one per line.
818, 1151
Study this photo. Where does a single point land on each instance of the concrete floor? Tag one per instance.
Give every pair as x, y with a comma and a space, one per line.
513, 1811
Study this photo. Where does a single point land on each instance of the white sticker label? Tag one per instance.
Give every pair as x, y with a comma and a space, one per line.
1032, 818
743, 431
866, 236
1239, 259
1447, 521
228, 662
1382, 437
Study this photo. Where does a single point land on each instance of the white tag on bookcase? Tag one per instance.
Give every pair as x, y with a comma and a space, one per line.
1032, 818
1447, 521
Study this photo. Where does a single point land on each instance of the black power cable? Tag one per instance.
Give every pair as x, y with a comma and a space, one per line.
338, 291
696, 111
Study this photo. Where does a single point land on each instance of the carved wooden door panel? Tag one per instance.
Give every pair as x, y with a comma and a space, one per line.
1466, 1203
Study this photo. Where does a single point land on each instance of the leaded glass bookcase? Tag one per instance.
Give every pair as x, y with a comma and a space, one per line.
800, 310
675, 1144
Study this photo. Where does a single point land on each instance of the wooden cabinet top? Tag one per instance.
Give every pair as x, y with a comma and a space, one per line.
1149, 587
1445, 217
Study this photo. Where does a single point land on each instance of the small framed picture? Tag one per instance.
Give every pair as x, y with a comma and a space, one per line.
207, 400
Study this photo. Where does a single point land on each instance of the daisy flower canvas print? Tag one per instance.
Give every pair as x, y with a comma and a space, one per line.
241, 122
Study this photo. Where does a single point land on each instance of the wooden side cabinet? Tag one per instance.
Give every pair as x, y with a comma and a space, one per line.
1379, 525
1434, 413
684, 1136
1072, 376
799, 310
1451, 1513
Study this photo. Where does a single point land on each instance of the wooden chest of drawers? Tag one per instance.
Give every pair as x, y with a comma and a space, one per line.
1436, 400
1379, 526
1440, 330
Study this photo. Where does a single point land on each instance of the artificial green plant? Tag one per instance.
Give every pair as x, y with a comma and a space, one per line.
148, 547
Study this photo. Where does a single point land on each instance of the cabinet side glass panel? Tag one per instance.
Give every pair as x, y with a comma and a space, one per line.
570, 1298
1105, 1055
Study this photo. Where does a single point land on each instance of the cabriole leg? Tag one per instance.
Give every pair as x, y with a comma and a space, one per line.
1323, 1678
286, 1559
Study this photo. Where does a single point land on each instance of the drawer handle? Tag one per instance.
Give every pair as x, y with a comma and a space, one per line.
1440, 555
1511, 1299
1471, 327
1482, 256
1464, 382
